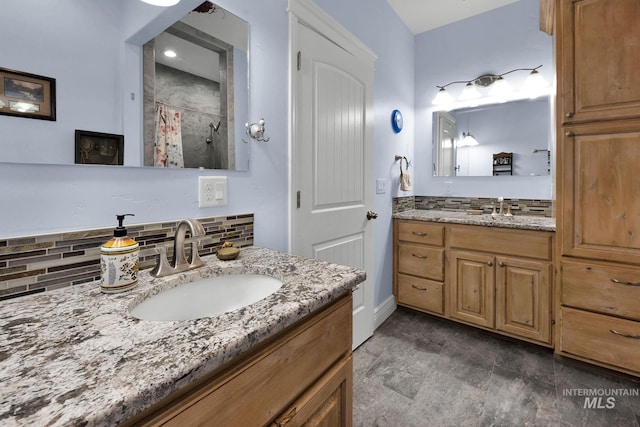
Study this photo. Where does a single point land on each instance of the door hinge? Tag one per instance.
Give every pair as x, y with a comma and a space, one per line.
298, 199
299, 60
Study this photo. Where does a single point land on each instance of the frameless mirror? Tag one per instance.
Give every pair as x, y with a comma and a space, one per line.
92, 49
196, 92
522, 128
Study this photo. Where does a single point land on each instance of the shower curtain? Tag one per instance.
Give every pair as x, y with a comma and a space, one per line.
168, 142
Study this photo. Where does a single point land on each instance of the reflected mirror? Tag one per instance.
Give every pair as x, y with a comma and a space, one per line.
511, 138
94, 51
196, 92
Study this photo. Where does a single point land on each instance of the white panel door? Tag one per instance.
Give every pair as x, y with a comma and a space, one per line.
333, 163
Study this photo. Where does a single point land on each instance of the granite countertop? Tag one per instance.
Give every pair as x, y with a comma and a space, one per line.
457, 217
76, 357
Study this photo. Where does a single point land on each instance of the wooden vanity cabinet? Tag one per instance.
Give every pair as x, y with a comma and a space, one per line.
419, 265
302, 376
508, 293
494, 278
597, 187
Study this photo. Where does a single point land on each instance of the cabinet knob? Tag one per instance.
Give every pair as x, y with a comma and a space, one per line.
490, 263
569, 134
501, 264
569, 115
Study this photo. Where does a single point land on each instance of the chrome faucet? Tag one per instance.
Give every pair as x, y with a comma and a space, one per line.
180, 263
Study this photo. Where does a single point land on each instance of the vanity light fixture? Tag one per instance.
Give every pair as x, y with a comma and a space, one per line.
501, 89
468, 140
163, 3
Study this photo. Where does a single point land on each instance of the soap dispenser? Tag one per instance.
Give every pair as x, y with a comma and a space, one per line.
119, 261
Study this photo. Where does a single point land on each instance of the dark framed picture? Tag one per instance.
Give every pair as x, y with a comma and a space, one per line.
97, 148
27, 95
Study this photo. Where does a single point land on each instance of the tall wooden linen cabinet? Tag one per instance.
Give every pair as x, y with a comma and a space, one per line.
598, 181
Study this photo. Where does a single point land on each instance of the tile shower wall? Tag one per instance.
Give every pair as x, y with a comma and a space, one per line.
40, 263
529, 207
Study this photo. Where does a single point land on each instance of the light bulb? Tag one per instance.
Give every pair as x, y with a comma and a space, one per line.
170, 53
468, 140
534, 84
469, 92
442, 98
500, 89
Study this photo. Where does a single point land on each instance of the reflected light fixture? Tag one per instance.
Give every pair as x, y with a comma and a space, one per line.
170, 53
501, 89
163, 3
468, 140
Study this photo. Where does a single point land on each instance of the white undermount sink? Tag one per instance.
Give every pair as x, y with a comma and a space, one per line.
207, 297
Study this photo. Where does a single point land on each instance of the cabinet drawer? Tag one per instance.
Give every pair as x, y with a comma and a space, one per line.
602, 287
423, 261
531, 244
421, 232
599, 337
421, 293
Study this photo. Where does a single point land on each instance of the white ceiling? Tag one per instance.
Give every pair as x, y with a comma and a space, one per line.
424, 15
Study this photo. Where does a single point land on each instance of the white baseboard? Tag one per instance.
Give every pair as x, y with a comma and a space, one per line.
383, 311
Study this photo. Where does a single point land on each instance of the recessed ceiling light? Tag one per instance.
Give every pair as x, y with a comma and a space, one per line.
162, 2
169, 53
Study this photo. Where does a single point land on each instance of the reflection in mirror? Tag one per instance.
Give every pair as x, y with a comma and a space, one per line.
520, 127
195, 90
94, 51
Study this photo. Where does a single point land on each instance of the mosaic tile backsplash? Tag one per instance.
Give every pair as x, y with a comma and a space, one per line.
40, 263
528, 207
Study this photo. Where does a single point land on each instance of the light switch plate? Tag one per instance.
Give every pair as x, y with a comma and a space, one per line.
381, 186
212, 191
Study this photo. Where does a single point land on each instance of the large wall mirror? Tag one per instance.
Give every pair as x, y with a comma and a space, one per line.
520, 129
89, 46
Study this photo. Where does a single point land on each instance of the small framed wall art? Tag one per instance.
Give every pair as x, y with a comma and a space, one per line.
96, 148
27, 95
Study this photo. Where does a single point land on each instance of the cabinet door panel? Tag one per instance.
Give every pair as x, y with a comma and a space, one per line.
326, 404
523, 292
601, 287
421, 232
419, 293
599, 59
472, 288
601, 338
422, 261
600, 186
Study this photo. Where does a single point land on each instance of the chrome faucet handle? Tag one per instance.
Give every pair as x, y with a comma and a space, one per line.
162, 267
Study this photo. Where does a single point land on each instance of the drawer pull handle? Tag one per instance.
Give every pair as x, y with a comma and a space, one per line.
419, 256
418, 233
635, 337
418, 288
624, 282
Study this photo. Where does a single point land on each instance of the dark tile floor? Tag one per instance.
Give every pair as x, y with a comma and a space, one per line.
419, 370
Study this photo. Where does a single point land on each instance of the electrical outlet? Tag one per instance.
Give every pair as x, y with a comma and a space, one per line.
212, 191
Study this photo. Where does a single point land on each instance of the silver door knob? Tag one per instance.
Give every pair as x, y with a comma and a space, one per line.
371, 215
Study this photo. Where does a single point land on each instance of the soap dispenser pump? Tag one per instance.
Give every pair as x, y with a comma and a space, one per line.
119, 261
